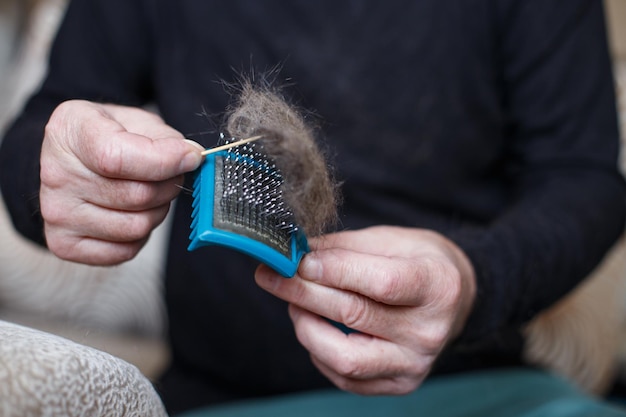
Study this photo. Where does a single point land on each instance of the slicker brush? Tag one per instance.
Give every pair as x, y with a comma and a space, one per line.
266, 186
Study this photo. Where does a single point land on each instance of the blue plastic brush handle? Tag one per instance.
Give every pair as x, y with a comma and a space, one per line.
204, 233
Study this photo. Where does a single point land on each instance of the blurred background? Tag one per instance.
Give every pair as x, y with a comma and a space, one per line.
120, 310
616, 20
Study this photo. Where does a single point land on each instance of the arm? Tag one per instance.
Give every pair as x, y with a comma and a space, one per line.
406, 291
104, 175
95, 58
108, 175
566, 209
567, 194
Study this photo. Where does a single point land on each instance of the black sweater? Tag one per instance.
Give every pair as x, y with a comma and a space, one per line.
492, 122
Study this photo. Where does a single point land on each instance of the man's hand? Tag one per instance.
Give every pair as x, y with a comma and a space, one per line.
108, 175
406, 291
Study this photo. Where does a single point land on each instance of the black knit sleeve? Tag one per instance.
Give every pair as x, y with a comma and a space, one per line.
101, 53
568, 195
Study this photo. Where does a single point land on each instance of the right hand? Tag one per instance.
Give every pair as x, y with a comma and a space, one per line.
408, 292
108, 175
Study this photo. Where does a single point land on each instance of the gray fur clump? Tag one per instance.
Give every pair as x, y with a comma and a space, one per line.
309, 189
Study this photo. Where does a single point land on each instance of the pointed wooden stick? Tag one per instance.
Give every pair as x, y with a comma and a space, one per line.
230, 145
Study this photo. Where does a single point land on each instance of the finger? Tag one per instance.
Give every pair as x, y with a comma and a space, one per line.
124, 155
351, 309
128, 195
90, 221
379, 240
374, 386
357, 360
355, 240
389, 280
95, 252
106, 147
140, 121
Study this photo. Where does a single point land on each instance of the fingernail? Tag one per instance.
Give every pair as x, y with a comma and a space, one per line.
311, 268
195, 144
190, 162
294, 312
266, 278
193, 159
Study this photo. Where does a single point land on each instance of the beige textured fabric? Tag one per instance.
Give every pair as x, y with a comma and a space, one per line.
580, 337
127, 297
47, 376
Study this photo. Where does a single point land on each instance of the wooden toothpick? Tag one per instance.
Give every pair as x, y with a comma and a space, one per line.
231, 145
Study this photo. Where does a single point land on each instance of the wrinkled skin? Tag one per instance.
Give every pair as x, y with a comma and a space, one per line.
108, 175
407, 292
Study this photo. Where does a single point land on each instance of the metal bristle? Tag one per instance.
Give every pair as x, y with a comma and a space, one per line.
251, 197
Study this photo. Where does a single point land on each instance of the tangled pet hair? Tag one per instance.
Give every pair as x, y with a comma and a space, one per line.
309, 189
577, 338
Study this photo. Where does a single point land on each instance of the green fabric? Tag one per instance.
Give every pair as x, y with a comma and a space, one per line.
501, 393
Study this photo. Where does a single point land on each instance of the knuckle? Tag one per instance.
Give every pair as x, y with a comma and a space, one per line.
415, 365
355, 314
67, 106
59, 114
446, 292
136, 227
403, 386
388, 287
47, 174
79, 250
110, 162
298, 293
111, 253
431, 266
62, 118
53, 214
346, 385
349, 366
138, 194
435, 338
54, 123
452, 294
52, 174
64, 247
64, 253
125, 253
56, 245
134, 196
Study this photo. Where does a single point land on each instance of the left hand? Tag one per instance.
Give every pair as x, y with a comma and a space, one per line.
406, 291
